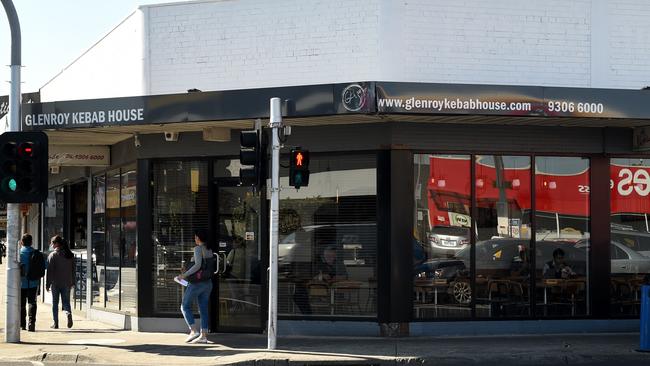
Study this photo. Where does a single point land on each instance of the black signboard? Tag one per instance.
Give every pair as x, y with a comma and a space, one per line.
299, 101
26, 98
421, 98
341, 99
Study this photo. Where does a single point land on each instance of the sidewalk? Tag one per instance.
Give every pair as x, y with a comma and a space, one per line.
93, 342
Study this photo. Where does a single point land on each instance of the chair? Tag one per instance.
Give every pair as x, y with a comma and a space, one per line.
346, 296
319, 297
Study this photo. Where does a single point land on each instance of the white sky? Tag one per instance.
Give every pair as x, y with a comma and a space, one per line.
55, 32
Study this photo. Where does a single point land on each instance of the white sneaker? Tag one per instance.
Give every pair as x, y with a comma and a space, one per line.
192, 337
200, 340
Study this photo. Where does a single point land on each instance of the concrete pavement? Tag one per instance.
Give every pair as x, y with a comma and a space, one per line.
96, 343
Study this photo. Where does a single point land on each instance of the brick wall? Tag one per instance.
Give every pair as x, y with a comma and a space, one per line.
236, 44
217, 45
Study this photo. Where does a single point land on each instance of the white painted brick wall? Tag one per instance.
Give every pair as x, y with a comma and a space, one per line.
217, 45
111, 67
236, 44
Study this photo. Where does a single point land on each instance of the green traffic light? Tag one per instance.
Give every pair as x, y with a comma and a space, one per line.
12, 184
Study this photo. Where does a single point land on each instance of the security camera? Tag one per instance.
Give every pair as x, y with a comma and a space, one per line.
171, 136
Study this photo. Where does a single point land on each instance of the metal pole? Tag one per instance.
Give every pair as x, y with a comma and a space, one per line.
12, 309
275, 124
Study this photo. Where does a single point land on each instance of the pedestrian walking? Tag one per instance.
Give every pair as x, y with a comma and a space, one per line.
32, 268
199, 287
60, 278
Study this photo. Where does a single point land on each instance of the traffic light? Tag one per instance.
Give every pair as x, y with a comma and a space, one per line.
23, 167
251, 157
299, 168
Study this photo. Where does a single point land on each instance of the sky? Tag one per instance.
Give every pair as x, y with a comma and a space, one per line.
55, 32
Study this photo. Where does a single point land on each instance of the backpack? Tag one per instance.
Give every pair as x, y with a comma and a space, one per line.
208, 267
36, 266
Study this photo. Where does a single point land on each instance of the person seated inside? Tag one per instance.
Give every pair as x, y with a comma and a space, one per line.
330, 268
557, 268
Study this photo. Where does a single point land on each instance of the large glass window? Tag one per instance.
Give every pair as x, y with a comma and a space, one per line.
503, 236
54, 215
128, 248
114, 239
441, 243
630, 233
180, 205
99, 240
328, 240
562, 229
112, 271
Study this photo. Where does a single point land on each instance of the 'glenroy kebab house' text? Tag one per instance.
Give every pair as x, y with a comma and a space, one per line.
74, 118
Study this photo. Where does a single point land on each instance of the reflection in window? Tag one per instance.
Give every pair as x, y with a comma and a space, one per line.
630, 233
503, 236
128, 239
441, 251
180, 206
328, 240
99, 240
562, 229
112, 272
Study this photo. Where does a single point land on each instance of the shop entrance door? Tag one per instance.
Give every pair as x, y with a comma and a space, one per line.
239, 305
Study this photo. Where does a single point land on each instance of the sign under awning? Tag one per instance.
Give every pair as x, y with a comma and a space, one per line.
75, 155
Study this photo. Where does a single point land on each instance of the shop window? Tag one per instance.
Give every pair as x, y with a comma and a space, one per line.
562, 229
54, 215
128, 239
114, 240
99, 240
503, 247
328, 240
180, 206
441, 243
630, 233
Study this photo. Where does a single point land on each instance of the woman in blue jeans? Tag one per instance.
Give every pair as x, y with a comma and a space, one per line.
197, 291
60, 278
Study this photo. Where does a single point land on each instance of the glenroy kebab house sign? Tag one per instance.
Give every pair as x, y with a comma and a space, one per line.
72, 114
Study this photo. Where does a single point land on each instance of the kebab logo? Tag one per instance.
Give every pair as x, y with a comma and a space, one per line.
354, 97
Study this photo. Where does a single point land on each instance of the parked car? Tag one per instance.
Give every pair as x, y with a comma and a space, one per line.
448, 238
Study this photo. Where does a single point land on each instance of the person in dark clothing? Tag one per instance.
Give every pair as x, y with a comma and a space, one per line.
557, 268
329, 268
28, 289
60, 278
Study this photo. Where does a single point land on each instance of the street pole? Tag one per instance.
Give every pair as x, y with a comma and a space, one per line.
12, 309
275, 123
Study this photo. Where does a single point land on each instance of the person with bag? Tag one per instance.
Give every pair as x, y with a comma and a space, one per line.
32, 269
199, 276
60, 278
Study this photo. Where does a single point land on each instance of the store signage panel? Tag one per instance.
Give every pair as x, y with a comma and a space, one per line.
415, 98
74, 155
298, 101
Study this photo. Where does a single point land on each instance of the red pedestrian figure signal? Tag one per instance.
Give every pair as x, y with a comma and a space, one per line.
299, 159
299, 168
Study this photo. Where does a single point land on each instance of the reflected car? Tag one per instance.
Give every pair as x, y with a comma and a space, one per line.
624, 260
444, 238
637, 241
356, 242
498, 258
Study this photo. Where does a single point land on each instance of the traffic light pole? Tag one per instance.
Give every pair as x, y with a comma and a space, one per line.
12, 309
275, 123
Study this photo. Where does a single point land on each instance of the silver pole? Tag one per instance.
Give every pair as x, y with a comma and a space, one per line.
275, 124
12, 309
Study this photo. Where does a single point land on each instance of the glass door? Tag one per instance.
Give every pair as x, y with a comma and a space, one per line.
239, 303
